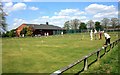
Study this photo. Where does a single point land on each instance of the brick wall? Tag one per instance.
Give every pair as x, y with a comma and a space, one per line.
19, 29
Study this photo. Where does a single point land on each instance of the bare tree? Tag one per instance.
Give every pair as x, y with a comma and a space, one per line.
105, 22
114, 22
90, 24
75, 24
71, 24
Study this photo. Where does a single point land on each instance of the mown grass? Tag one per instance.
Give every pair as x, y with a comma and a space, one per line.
107, 65
46, 54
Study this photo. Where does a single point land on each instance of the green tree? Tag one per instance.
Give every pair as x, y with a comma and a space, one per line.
2, 18
98, 26
82, 26
67, 25
7, 34
12, 33
24, 31
29, 31
3, 34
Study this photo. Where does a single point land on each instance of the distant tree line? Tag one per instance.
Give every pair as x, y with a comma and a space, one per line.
11, 33
76, 24
73, 25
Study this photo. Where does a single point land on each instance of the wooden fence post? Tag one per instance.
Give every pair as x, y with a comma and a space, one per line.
98, 55
85, 64
110, 46
105, 49
117, 41
113, 44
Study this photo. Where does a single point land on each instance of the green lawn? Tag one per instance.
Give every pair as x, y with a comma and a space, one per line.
46, 54
107, 64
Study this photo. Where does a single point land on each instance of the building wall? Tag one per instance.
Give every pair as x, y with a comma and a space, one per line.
42, 32
19, 29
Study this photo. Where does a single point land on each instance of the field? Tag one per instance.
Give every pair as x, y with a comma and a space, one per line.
46, 54
108, 64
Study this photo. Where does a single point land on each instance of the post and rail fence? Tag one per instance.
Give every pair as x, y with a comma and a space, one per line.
106, 49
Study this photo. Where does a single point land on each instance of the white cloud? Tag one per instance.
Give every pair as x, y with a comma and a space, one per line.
19, 6
79, 13
67, 12
9, 4
79, 17
33, 8
58, 17
103, 15
100, 11
98, 8
9, 7
45, 17
17, 23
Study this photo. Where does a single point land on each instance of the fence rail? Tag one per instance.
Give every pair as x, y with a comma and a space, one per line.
106, 49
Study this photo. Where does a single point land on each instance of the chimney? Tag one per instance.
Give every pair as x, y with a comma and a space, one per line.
47, 23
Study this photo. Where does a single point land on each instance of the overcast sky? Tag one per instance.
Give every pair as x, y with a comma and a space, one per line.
56, 13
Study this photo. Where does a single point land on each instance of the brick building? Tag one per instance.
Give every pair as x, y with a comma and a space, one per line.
40, 29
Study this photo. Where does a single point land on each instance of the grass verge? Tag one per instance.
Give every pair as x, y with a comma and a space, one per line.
107, 64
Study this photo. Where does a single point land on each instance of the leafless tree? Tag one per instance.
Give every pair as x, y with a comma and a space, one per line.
90, 24
75, 24
114, 22
105, 22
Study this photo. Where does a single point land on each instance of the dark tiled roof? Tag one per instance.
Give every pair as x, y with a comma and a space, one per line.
44, 26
